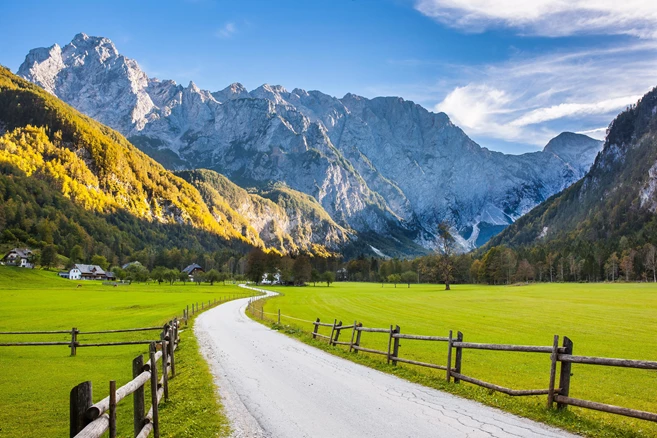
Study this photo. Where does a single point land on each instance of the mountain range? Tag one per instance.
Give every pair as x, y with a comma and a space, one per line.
380, 174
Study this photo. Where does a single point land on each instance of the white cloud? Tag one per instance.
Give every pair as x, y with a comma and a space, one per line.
227, 31
530, 100
547, 17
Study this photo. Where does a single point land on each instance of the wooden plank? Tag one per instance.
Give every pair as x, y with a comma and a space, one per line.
138, 397
141, 329
390, 345
395, 345
649, 416
96, 428
608, 361
110, 344
422, 364
322, 336
373, 330
502, 389
353, 334
165, 365
81, 398
369, 350
99, 408
338, 329
74, 341
33, 344
321, 324
420, 337
503, 347
38, 333
341, 343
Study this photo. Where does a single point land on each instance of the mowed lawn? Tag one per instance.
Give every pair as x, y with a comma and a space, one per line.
609, 320
35, 381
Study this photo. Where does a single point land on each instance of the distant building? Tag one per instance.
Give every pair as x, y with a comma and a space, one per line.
127, 265
85, 272
21, 257
193, 269
72, 274
341, 274
277, 278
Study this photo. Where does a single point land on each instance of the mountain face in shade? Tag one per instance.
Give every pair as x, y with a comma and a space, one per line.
381, 166
616, 199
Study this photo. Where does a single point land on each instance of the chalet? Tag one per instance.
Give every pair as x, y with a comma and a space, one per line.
192, 269
21, 257
90, 272
342, 274
72, 274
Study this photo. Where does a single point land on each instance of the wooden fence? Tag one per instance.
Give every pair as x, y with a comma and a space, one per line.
75, 333
561, 359
92, 420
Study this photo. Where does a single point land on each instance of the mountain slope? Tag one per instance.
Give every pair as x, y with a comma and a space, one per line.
617, 198
281, 217
380, 166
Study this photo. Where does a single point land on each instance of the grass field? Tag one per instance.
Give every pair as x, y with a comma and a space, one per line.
609, 320
35, 381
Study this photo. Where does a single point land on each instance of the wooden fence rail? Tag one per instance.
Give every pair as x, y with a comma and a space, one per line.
557, 391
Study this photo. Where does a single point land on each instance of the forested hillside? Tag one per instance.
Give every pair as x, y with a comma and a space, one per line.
605, 225
68, 180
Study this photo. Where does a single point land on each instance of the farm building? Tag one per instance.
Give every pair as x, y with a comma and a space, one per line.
87, 272
127, 265
276, 278
193, 269
21, 257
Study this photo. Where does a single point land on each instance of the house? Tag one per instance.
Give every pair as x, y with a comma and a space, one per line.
21, 257
90, 272
276, 275
72, 274
342, 274
193, 269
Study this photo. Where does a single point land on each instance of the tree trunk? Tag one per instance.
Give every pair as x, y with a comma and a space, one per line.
447, 286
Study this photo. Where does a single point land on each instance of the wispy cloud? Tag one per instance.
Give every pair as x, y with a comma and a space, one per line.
226, 31
530, 99
547, 17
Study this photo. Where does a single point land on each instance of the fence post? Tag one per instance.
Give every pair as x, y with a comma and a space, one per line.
459, 357
81, 399
553, 371
564, 375
337, 332
165, 365
353, 334
390, 344
74, 341
315, 329
187, 315
449, 357
395, 346
138, 402
156, 416
262, 311
358, 333
112, 409
279, 316
330, 339
171, 344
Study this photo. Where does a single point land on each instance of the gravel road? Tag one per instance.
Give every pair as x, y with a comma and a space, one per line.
275, 386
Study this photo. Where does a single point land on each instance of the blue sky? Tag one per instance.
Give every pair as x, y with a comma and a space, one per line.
511, 73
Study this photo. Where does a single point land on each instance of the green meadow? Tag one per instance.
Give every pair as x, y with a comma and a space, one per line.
35, 381
609, 320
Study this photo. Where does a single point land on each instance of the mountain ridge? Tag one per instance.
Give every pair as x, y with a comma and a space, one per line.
336, 150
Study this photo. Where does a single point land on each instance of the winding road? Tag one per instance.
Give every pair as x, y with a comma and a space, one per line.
274, 386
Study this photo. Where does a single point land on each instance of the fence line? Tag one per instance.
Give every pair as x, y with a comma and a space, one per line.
75, 343
561, 359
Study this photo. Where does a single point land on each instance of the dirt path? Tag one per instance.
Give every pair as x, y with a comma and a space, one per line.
275, 386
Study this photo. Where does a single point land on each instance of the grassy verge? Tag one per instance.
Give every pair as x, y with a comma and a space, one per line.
36, 381
515, 315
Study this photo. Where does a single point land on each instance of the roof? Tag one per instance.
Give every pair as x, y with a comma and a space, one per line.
21, 252
189, 269
90, 269
127, 265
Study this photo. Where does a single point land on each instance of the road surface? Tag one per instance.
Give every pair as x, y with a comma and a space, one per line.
274, 386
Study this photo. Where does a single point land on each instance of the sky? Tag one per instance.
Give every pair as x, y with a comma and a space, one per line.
511, 73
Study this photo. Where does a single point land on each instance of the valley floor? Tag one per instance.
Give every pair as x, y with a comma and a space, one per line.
275, 386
